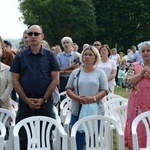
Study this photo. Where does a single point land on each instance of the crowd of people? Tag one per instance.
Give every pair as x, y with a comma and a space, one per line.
31, 76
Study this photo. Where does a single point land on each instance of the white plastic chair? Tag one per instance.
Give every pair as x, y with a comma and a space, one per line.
38, 133
110, 96
145, 118
14, 106
8, 119
114, 103
97, 139
120, 115
57, 138
2, 135
65, 107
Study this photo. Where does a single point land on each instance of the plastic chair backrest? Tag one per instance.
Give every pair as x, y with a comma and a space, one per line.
145, 118
65, 107
2, 135
38, 129
8, 119
97, 130
110, 96
114, 103
120, 115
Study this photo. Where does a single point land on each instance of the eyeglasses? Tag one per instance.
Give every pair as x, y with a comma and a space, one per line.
96, 44
35, 33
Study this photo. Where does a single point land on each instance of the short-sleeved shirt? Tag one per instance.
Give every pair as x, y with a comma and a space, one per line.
64, 60
107, 67
34, 70
89, 84
131, 56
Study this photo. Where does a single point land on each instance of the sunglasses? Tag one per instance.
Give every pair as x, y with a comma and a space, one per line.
34, 33
96, 45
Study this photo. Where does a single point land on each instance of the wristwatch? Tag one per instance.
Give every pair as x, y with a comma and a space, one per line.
94, 99
45, 100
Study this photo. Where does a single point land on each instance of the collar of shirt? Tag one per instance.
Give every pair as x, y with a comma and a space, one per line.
41, 51
71, 53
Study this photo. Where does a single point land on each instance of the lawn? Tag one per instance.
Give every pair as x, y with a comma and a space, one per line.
124, 93
121, 91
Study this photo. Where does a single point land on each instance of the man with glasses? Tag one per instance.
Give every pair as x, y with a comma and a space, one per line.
97, 44
35, 74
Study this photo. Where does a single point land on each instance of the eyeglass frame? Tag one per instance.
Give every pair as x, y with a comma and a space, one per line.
34, 33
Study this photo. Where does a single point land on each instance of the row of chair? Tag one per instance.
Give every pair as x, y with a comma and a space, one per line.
115, 107
38, 129
98, 135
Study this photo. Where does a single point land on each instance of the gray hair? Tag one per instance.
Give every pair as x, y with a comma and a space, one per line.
94, 50
145, 43
66, 38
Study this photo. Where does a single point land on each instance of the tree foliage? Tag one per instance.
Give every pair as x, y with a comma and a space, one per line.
60, 18
118, 23
123, 22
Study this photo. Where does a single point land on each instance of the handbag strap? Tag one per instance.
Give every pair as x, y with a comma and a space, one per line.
78, 81
80, 105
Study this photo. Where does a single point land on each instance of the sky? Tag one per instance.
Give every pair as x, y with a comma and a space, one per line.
10, 25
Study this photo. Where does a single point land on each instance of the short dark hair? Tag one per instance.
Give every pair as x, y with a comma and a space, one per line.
8, 43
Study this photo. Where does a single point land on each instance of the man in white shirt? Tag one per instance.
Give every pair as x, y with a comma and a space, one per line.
131, 55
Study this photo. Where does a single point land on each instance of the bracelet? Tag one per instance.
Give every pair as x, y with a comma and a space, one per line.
94, 99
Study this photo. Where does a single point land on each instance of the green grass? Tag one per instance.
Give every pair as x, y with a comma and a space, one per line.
121, 91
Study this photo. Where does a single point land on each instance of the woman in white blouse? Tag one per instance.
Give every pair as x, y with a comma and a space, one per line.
108, 66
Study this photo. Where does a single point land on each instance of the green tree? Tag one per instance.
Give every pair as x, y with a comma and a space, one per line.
60, 18
122, 22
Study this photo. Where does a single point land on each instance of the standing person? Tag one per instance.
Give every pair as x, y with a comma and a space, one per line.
115, 56
7, 57
108, 66
45, 44
126, 58
138, 79
57, 49
131, 55
5, 82
25, 39
138, 57
8, 47
79, 86
64, 59
85, 45
35, 76
97, 44
76, 48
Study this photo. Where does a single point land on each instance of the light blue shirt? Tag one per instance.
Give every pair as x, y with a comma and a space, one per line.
138, 57
64, 60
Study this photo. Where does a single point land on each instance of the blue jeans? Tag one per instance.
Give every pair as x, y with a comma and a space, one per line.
80, 137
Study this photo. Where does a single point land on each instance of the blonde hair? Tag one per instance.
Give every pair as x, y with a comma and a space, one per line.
94, 50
